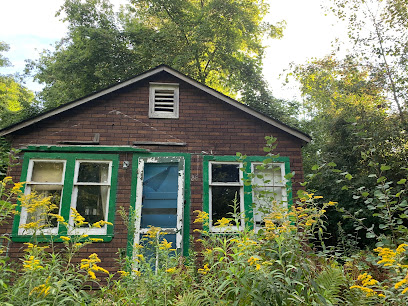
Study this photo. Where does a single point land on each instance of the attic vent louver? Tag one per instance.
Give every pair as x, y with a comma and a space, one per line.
164, 100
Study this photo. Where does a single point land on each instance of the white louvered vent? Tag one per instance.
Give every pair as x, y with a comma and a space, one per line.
164, 100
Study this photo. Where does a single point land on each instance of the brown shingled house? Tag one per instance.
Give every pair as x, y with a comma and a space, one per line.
161, 143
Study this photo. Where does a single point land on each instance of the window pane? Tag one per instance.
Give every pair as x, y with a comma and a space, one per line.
91, 202
270, 176
93, 172
47, 172
223, 200
223, 173
264, 200
41, 213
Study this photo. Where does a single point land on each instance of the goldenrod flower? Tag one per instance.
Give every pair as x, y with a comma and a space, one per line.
78, 219
223, 222
202, 216
171, 270
252, 260
65, 238
204, 270
96, 239
123, 273
101, 223
137, 272
164, 245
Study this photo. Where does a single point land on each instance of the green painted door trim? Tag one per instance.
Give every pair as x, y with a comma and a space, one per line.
248, 201
187, 194
70, 159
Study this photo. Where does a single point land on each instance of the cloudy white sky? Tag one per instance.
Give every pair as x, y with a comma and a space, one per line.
30, 26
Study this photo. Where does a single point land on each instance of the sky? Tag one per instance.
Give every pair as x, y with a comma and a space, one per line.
30, 26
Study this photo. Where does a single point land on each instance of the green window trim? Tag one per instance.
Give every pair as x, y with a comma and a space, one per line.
65, 210
248, 201
163, 157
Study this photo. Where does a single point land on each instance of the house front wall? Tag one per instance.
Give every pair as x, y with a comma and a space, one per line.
206, 127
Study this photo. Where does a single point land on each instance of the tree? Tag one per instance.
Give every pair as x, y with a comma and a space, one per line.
379, 33
352, 126
16, 101
217, 42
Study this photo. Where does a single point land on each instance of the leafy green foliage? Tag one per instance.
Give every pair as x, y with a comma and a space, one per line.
352, 126
216, 42
16, 101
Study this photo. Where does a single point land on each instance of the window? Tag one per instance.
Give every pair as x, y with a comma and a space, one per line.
46, 178
225, 193
86, 182
224, 184
268, 188
164, 100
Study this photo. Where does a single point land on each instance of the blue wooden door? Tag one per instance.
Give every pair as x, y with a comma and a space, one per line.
159, 201
160, 198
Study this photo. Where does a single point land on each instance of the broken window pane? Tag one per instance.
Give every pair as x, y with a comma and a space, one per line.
225, 173
222, 200
93, 172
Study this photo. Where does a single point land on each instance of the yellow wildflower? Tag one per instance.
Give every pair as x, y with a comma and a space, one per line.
32, 264
123, 273
202, 216
401, 248
381, 295
101, 223
137, 272
387, 256
252, 260
223, 222
153, 232
96, 239
78, 219
317, 197
58, 217
404, 291
164, 245
65, 238
400, 283
171, 270
204, 270
331, 203
17, 188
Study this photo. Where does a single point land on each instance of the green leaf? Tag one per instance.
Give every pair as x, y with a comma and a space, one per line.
370, 235
365, 194
344, 187
385, 168
381, 179
267, 149
348, 176
402, 181
331, 164
315, 167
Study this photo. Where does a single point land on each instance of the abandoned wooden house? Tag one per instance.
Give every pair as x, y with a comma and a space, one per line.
160, 143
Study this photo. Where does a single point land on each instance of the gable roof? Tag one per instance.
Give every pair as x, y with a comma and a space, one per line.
142, 76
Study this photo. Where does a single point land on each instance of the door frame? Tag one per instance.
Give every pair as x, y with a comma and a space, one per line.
183, 197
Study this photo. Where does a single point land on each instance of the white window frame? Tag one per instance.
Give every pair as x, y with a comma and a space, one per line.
272, 184
89, 230
217, 229
28, 186
152, 93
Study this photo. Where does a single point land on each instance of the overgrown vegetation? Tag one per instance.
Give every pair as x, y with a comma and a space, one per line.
286, 262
